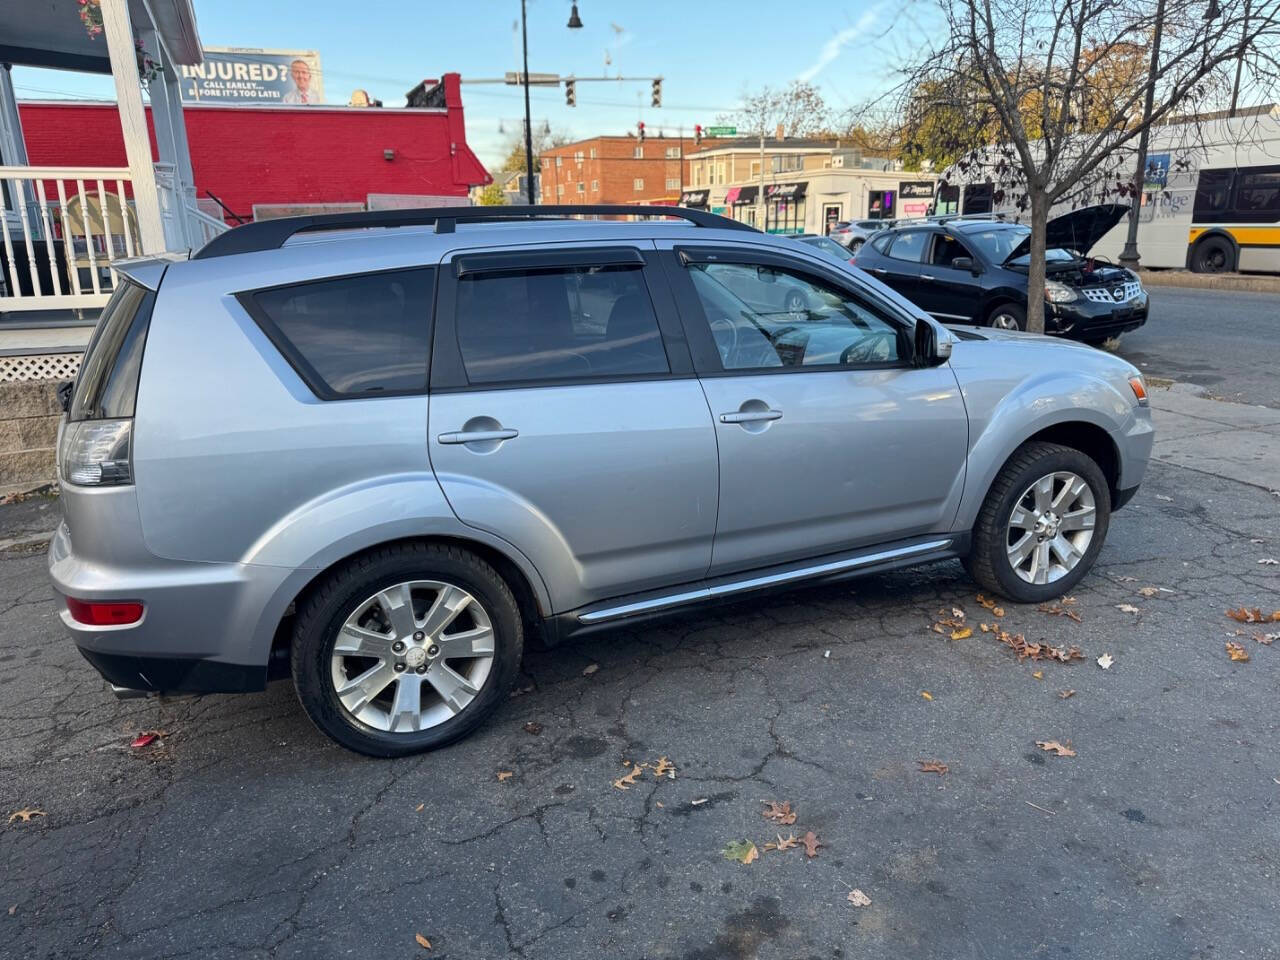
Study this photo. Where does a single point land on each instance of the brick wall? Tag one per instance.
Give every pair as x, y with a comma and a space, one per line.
614, 169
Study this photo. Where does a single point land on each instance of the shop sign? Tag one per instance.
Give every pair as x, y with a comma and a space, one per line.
694, 198
916, 189
785, 191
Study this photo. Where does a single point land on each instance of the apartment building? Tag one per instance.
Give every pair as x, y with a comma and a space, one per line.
623, 170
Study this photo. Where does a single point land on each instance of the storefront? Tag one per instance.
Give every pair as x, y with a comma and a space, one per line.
915, 197
784, 207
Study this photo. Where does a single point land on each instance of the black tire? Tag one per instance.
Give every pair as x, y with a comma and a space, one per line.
1213, 255
1013, 311
988, 562
323, 612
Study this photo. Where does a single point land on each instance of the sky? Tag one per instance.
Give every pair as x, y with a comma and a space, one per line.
708, 53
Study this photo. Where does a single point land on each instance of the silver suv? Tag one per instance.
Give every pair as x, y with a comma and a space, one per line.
376, 451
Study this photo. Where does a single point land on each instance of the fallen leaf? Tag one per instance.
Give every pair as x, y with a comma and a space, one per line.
423, 942
419, 808
26, 814
1066, 694
985, 627
658, 804
664, 768
964, 634
811, 844
591, 668
1037, 651
1053, 746
1105, 661
533, 727
1127, 608
1148, 591
1254, 615
1059, 610
1266, 639
926, 694
1039, 674
957, 613
744, 851
146, 738
504, 775
858, 898
997, 611
933, 766
1237, 652
781, 843
779, 814
625, 782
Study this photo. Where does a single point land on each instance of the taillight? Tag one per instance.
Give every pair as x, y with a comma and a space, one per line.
102, 613
97, 453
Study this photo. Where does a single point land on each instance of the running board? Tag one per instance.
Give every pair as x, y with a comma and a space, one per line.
727, 588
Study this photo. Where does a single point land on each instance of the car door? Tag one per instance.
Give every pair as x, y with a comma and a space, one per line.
828, 437
899, 265
948, 293
564, 417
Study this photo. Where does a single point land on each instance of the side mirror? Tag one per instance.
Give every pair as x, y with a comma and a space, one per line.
965, 263
929, 350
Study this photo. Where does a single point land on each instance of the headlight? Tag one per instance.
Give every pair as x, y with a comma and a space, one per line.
1056, 292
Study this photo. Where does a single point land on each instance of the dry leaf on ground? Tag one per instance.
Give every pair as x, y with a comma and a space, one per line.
664, 768
624, 782
1053, 746
504, 775
933, 766
1253, 615
26, 814
1127, 608
1105, 661
858, 898
1266, 639
811, 844
782, 843
743, 851
1237, 652
1037, 651
419, 808
423, 942
779, 813
964, 634
534, 727
591, 668
1060, 610
1039, 674
1066, 694
926, 694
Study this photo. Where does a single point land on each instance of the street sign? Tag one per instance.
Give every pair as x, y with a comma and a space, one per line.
516, 79
722, 131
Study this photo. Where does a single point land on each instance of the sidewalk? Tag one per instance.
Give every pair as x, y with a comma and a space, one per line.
1225, 282
1234, 441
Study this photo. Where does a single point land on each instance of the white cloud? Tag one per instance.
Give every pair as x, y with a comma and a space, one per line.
831, 49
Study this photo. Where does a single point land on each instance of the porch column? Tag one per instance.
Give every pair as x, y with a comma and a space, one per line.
171, 140
13, 149
133, 122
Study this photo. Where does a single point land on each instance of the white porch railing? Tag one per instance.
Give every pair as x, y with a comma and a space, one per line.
62, 229
202, 227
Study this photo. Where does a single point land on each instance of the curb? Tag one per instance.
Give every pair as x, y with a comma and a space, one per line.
1233, 282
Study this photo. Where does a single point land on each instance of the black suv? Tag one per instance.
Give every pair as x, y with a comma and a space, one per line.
966, 270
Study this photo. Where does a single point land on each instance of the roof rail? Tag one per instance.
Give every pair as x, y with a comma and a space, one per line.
272, 234
946, 217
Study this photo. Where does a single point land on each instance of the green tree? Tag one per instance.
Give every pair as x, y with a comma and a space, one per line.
492, 196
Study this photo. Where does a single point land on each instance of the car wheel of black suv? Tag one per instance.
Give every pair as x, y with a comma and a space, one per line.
1042, 524
1007, 316
406, 648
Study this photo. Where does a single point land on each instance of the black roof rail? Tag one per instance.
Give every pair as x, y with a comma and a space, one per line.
272, 234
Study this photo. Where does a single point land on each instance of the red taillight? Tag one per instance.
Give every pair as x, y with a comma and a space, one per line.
97, 613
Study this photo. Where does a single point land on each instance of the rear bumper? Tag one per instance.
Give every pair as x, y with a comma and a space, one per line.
173, 675
1086, 320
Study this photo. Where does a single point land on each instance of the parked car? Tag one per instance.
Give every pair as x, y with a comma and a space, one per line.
377, 460
851, 234
826, 245
964, 270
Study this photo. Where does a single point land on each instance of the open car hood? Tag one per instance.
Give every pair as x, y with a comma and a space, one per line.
1077, 231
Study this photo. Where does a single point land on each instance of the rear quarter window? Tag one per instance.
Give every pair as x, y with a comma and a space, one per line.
354, 336
107, 384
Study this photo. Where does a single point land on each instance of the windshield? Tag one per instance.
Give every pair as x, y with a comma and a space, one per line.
997, 243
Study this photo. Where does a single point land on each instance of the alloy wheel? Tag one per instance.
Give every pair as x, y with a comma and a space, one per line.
1005, 321
412, 656
1050, 527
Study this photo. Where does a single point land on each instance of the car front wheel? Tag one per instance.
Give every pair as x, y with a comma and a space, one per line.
1008, 316
1042, 524
406, 648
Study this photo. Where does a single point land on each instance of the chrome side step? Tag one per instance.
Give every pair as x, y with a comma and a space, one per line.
729, 588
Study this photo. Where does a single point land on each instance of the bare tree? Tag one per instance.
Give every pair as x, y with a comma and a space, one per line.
798, 108
1047, 98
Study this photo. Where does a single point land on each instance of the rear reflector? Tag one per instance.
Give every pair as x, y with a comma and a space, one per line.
97, 613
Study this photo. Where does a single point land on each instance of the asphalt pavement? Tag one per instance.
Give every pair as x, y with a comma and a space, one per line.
242, 832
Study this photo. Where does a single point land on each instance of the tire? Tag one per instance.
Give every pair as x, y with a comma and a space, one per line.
1008, 316
1212, 255
989, 561
413, 571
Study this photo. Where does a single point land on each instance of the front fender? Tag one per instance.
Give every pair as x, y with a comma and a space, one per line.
1003, 417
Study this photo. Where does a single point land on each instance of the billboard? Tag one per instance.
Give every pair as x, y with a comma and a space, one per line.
252, 76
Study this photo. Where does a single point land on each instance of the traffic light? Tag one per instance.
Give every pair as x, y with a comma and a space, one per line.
571, 93
640, 130
656, 101
697, 134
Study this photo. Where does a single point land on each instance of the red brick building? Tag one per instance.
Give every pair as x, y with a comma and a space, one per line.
278, 155
623, 170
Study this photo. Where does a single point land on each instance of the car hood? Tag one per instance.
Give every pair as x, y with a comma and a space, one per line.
1076, 231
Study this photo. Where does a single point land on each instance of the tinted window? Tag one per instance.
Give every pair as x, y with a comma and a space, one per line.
909, 246
1212, 191
881, 243
763, 317
946, 249
107, 385
997, 242
555, 323
353, 336
1258, 192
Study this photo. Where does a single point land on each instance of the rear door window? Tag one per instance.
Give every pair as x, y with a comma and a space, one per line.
529, 324
909, 246
361, 335
107, 385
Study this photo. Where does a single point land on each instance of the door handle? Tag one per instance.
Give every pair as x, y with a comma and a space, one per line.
925, 276
477, 436
879, 270
750, 416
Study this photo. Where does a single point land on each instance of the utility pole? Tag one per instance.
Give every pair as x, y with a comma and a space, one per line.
760, 197
1244, 35
528, 123
1129, 255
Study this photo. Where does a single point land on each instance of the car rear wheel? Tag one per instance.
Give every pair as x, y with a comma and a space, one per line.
1007, 316
1042, 524
1212, 255
406, 648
